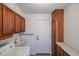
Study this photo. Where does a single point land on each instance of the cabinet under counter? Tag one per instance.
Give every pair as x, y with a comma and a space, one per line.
68, 50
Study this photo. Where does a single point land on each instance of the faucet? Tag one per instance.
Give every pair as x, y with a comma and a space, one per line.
20, 37
15, 41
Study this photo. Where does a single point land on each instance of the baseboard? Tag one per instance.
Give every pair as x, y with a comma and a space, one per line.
42, 53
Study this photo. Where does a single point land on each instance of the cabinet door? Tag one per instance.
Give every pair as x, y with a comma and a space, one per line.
8, 21
0, 20
17, 24
22, 25
66, 54
59, 51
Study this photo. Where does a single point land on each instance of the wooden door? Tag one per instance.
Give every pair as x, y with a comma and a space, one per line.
55, 35
8, 21
59, 51
54, 39
54, 32
22, 25
17, 24
0, 20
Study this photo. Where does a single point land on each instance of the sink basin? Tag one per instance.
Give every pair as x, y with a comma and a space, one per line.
20, 44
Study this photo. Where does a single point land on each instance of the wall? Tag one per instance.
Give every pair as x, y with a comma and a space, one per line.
31, 28
71, 23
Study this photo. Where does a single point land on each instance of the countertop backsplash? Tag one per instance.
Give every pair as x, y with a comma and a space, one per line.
6, 41
11, 39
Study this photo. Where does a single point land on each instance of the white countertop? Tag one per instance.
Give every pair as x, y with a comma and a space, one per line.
17, 51
69, 49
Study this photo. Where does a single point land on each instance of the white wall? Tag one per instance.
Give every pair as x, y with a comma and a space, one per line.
31, 28
71, 23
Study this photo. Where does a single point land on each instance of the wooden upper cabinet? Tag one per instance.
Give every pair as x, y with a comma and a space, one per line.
8, 21
58, 25
0, 20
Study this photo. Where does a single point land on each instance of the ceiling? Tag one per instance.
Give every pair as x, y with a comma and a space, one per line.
41, 7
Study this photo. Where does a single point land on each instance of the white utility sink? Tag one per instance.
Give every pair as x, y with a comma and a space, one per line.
21, 44
20, 49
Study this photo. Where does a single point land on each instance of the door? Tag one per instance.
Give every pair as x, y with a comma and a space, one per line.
22, 24
59, 51
0, 20
43, 37
17, 24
